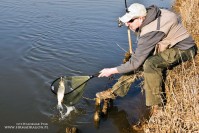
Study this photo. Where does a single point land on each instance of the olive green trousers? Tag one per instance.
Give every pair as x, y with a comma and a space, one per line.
153, 74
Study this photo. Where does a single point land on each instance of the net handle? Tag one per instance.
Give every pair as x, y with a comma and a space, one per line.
95, 75
90, 77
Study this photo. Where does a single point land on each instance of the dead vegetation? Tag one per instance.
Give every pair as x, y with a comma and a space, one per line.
188, 11
181, 113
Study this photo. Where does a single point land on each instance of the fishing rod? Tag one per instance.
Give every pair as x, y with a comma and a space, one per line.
120, 24
126, 7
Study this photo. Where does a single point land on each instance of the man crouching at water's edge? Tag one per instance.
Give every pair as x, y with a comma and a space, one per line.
162, 43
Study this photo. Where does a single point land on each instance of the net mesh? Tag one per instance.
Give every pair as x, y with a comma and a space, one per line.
74, 88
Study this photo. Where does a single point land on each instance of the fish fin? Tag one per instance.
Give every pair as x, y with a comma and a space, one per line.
59, 106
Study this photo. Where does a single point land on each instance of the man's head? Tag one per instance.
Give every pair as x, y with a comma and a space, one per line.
135, 16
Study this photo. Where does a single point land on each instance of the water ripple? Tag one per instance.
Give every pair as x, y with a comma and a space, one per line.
42, 40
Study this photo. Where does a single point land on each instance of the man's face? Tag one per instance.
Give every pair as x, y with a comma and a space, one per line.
133, 24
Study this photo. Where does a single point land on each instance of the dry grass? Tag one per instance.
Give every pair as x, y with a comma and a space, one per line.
181, 113
189, 10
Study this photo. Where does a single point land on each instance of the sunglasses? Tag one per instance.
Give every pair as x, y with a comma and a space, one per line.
131, 21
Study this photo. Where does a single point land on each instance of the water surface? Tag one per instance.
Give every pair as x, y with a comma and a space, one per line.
43, 39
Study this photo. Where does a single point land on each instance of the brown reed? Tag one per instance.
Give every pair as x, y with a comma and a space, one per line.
181, 113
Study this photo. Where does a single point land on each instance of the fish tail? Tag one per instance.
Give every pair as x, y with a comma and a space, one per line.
59, 106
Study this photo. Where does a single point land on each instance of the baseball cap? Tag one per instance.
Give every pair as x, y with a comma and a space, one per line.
135, 10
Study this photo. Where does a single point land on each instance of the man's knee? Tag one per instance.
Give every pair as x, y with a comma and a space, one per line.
149, 65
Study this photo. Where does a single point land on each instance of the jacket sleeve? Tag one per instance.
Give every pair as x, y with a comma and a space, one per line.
145, 46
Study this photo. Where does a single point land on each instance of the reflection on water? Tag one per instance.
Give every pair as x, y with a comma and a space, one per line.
44, 39
119, 118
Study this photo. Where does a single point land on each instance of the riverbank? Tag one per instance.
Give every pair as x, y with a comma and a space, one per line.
181, 113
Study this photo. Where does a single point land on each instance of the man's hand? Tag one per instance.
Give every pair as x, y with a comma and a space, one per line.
106, 72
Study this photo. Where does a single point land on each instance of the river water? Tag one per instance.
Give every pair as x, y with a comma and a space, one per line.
41, 40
